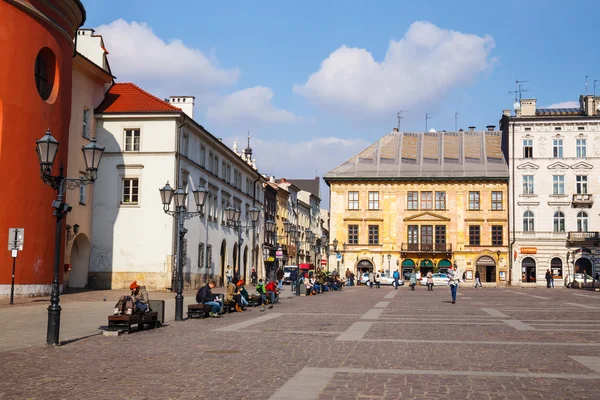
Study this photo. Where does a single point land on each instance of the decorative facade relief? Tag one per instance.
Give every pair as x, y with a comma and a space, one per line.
542, 145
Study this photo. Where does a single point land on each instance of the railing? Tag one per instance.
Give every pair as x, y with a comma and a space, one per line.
426, 247
583, 237
583, 199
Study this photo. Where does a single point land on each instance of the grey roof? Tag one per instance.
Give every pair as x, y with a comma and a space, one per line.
558, 111
308, 185
427, 155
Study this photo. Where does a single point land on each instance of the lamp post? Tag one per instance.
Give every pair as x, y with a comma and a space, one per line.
389, 257
271, 228
181, 214
47, 148
233, 215
295, 236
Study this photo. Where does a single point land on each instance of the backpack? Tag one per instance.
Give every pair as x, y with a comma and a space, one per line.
396, 275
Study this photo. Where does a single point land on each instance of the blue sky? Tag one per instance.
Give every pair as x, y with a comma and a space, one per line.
259, 66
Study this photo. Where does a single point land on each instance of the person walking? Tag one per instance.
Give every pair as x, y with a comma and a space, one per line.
396, 277
477, 279
454, 276
413, 280
229, 274
548, 278
429, 281
378, 279
293, 279
280, 276
254, 277
371, 279
348, 273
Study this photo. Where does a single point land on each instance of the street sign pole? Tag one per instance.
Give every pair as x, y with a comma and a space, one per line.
12, 282
14, 246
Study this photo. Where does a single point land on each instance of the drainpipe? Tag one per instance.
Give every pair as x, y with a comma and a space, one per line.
254, 230
512, 241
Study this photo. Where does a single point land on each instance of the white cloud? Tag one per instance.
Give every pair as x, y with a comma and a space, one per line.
249, 107
564, 104
421, 67
166, 68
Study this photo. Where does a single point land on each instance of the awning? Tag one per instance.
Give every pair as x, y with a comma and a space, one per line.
444, 263
408, 263
307, 266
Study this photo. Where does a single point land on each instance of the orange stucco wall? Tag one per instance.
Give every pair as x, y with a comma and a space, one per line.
24, 117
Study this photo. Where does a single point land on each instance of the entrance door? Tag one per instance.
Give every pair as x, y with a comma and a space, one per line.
528, 270
425, 266
363, 266
486, 266
583, 265
427, 238
407, 266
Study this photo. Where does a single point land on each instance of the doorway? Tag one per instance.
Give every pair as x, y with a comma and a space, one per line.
486, 266
528, 270
223, 261
408, 266
425, 266
583, 265
80, 261
364, 266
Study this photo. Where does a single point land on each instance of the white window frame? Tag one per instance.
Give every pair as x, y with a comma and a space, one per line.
581, 148
528, 221
581, 184
528, 184
132, 148
557, 148
353, 200
86, 125
582, 222
123, 189
559, 221
527, 144
373, 200
558, 184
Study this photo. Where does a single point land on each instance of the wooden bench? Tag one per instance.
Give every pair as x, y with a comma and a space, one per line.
124, 322
198, 310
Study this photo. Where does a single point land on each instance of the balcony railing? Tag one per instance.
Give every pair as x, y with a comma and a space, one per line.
426, 248
583, 238
583, 200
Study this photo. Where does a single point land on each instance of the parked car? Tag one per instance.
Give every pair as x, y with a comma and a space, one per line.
385, 279
438, 280
578, 280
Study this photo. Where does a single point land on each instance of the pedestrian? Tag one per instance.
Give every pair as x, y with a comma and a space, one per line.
477, 279
280, 276
348, 273
371, 279
229, 274
396, 277
429, 281
352, 279
412, 280
293, 279
548, 278
454, 276
254, 277
260, 289
378, 279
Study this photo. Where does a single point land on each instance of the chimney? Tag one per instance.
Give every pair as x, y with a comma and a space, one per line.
186, 103
471, 128
395, 129
506, 113
528, 107
490, 128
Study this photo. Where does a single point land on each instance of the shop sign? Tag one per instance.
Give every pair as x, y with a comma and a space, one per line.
270, 259
528, 250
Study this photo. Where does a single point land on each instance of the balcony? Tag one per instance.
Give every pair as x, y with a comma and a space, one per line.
583, 200
583, 239
426, 248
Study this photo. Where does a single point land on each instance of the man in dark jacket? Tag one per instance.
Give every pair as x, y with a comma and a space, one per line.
206, 297
293, 279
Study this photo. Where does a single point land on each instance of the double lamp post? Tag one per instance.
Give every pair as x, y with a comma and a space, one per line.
47, 148
233, 216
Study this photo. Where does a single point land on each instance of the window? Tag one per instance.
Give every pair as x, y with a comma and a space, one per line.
559, 221
474, 201
497, 237
85, 129
352, 234
426, 238
582, 221
82, 194
209, 255
224, 170
440, 237
203, 156
373, 200
352, 200
474, 235
45, 64
528, 225
185, 143
557, 128
412, 201
558, 184
496, 200
581, 128
373, 234
132, 140
228, 175
413, 237
527, 184
557, 148
581, 152
130, 193
210, 161
426, 200
215, 167
527, 148
556, 267
581, 184
440, 200
200, 255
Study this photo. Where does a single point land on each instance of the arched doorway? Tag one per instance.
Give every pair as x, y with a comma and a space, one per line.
444, 265
583, 265
223, 261
407, 266
243, 273
487, 268
528, 269
80, 262
557, 268
364, 266
425, 266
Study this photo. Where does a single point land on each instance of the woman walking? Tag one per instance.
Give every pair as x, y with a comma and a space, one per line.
429, 281
413, 280
454, 276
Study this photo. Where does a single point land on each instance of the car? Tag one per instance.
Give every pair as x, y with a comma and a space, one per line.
287, 270
438, 280
385, 279
578, 280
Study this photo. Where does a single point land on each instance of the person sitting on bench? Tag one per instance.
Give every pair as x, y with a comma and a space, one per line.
272, 292
206, 297
243, 293
137, 302
233, 295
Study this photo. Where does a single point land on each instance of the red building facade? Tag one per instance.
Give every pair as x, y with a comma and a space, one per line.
36, 46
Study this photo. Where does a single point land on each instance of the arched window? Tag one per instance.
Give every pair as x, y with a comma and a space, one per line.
559, 221
582, 221
528, 225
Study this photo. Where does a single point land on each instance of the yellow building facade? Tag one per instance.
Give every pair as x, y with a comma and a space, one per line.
423, 202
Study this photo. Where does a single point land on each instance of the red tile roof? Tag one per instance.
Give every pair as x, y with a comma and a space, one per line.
129, 98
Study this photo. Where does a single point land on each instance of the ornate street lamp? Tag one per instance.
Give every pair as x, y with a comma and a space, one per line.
179, 198
47, 149
233, 215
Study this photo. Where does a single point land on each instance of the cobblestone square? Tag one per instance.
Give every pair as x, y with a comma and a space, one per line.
355, 344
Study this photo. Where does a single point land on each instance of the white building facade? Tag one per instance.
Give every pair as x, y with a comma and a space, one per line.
150, 142
554, 167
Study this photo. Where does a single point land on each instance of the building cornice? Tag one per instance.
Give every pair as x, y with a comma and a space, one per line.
329, 180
